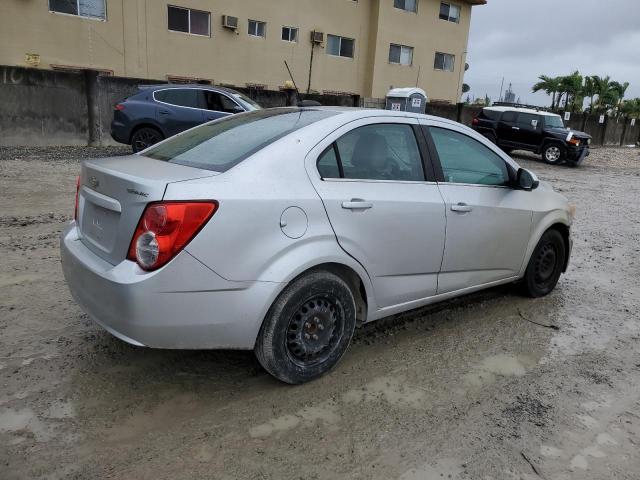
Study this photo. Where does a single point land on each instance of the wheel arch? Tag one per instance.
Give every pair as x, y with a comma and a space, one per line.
146, 124
554, 221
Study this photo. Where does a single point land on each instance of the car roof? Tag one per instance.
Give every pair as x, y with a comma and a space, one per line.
166, 86
521, 110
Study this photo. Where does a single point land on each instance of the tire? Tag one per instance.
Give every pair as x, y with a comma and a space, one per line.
145, 137
308, 328
553, 153
545, 265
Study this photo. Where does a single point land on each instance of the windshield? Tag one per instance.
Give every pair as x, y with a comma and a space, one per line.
246, 101
553, 121
220, 145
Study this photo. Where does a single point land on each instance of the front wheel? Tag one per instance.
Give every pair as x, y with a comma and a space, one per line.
553, 154
545, 265
308, 328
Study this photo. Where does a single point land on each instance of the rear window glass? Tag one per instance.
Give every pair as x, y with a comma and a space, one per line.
220, 145
509, 116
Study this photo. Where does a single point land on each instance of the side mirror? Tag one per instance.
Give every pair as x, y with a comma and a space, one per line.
237, 109
527, 180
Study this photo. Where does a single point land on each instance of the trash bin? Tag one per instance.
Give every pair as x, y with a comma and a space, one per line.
407, 100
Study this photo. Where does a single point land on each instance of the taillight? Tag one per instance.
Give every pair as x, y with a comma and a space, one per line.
75, 210
475, 121
165, 228
118, 106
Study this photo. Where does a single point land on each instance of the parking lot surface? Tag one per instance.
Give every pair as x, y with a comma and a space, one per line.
490, 386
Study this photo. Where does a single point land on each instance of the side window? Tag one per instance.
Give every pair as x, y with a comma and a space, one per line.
465, 160
181, 97
509, 117
328, 163
529, 121
218, 102
385, 151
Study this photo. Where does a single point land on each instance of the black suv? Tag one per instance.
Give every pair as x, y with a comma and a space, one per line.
160, 111
513, 128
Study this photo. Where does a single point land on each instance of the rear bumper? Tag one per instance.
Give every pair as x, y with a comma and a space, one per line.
120, 132
182, 305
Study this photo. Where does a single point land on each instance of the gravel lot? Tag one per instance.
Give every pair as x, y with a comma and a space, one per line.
472, 389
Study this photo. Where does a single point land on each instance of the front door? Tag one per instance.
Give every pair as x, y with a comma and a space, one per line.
384, 212
488, 222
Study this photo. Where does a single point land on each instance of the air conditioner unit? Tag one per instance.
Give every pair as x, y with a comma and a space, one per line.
230, 22
317, 37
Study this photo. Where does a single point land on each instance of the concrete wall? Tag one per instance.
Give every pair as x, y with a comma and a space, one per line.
42, 108
134, 41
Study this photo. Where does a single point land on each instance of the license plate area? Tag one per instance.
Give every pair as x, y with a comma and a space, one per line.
99, 225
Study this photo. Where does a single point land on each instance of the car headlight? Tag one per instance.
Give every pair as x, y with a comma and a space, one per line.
571, 210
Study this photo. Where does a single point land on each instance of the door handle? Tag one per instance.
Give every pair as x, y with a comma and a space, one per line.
461, 207
515, 128
164, 112
357, 204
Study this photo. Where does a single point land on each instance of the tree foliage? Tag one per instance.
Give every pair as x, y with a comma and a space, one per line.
569, 92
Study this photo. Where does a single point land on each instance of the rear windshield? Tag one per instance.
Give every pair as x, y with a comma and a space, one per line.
490, 114
220, 145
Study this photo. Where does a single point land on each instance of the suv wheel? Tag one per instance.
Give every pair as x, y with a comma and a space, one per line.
553, 153
144, 137
545, 265
308, 328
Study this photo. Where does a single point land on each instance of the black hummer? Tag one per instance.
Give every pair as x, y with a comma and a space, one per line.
515, 128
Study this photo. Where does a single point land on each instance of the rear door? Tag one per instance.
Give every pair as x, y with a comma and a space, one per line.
386, 213
507, 129
488, 222
179, 109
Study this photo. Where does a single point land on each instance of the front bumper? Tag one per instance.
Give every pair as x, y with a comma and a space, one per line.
182, 305
577, 154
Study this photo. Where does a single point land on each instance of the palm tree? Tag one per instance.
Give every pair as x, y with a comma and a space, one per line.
550, 85
621, 89
570, 85
589, 89
607, 94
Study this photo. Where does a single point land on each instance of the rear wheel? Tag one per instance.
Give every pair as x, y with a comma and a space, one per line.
308, 328
145, 137
553, 153
545, 265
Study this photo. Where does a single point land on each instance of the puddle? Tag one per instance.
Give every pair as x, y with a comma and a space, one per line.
307, 416
13, 421
387, 389
499, 365
579, 461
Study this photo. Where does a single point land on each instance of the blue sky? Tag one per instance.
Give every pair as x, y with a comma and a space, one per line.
521, 39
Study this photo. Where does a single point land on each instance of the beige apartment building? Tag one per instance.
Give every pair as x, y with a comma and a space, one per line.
361, 47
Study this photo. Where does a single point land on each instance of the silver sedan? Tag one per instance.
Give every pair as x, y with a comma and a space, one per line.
281, 230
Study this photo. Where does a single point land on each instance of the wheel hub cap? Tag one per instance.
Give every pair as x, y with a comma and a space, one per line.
553, 154
313, 330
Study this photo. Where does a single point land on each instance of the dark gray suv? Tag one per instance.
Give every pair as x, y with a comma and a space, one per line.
160, 111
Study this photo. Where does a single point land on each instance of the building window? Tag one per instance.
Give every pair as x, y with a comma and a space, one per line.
289, 34
187, 20
257, 29
82, 8
450, 12
444, 61
400, 54
340, 46
408, 5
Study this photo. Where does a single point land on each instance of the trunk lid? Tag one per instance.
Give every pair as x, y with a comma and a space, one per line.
113, 194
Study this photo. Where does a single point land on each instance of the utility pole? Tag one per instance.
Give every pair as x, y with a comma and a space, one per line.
501, 87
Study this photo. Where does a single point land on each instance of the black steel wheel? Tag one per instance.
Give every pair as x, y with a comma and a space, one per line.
545, 265
308, 328
145, 137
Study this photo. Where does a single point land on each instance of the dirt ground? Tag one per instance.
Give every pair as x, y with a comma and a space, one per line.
472, 389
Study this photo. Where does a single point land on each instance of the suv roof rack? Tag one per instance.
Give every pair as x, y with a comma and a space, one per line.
519, 105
